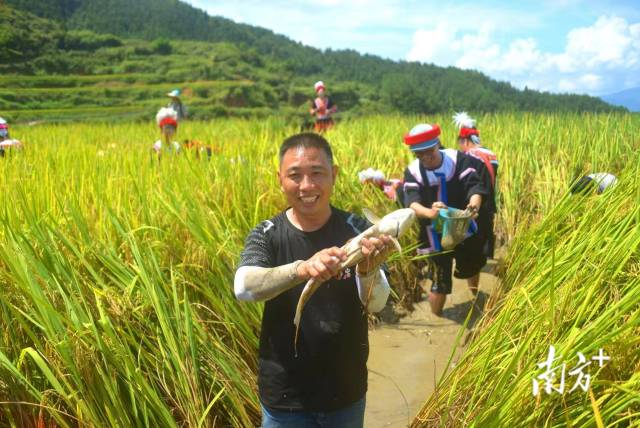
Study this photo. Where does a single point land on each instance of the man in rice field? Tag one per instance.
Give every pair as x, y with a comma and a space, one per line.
326, 382
435, 180
199, 149
487, 166
322, 108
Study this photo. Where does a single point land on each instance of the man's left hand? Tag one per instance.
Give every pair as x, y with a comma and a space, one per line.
376, 251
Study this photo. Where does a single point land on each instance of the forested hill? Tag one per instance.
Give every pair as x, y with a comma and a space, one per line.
227, 68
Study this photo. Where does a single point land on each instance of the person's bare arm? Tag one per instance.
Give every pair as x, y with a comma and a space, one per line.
474, 204
424, 212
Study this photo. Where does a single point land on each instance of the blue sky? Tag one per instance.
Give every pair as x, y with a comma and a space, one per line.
559, 46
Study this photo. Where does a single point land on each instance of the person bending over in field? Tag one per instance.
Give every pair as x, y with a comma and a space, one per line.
199, 149
326, 383
487, 167
7, 144
168, 123
593, 183
322, 108
435, 180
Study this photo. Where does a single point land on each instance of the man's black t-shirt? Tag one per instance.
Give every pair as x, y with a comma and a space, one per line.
330, 369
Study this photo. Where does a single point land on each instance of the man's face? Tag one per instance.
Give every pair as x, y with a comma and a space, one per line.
321, 93
430, 158
306, 178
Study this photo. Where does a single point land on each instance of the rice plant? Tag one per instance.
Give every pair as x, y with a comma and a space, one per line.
571, 281
116, 269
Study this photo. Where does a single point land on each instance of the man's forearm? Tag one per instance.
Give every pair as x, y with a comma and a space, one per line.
255, 284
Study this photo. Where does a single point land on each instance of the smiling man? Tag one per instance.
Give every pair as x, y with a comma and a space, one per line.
326, 383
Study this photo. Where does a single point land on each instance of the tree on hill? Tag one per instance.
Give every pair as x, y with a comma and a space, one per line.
50, 44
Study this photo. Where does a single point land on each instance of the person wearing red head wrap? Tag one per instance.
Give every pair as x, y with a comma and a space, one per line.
487, 165
437, 179
7, 143
322, 108
167, 120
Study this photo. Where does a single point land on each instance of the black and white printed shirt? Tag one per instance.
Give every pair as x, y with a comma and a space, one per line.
330, 369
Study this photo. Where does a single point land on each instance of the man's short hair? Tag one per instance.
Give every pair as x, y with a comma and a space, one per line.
306, 140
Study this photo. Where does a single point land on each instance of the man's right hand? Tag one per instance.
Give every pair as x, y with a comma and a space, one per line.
323, 265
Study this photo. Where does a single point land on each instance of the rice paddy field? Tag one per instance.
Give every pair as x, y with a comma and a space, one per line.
116, 271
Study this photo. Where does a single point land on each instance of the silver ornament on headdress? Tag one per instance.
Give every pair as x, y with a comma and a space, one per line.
463, 120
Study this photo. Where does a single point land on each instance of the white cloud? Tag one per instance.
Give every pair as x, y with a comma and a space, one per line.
566, 85
432, 45
608, 42
526, 43
363, 25
591, 81
595, 58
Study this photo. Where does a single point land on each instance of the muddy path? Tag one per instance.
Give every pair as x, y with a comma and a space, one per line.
407, 359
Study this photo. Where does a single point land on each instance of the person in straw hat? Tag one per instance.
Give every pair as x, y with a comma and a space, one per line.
322, 108
487, 165
437, 179
7, 143
177, 104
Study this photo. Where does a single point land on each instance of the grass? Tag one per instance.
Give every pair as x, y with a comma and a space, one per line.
570, 280
116, 270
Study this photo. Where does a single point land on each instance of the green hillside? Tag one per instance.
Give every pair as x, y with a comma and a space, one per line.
68, 59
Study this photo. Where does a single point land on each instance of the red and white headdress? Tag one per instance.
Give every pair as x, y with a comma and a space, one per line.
422, 137
167, 116
319, 85
467, 127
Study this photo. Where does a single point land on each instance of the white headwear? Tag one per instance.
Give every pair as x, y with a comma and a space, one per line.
166, 112
463, 120
370, 174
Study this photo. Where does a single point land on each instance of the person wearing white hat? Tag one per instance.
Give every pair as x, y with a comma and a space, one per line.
593, 183
435, 180
167, 121
177, 104
322, 108
7, 143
